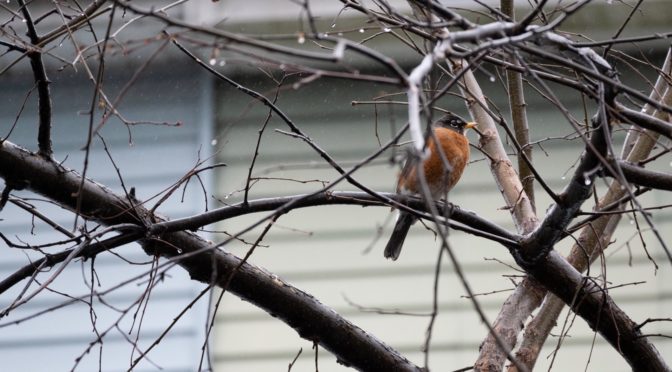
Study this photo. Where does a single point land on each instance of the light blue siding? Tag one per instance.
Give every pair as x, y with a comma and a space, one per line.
157, 157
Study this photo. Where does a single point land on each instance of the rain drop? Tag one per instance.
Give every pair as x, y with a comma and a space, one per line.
563, 177
301, 39
492, 79
222, 62
361, 30
333, 25
212, 61
213, 142
587, 181
387, 29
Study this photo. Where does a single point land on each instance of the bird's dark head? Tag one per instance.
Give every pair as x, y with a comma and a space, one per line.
454, 122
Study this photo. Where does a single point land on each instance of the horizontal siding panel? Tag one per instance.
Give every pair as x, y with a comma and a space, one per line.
115, 357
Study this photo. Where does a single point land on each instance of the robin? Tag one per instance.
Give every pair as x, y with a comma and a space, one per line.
449, 131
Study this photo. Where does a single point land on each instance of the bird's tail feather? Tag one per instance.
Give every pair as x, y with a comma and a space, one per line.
393, 247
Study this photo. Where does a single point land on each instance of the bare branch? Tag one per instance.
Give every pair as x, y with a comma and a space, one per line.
311, 319
44, 96
517, 106
645, 121
594, 238
593, 304
644, 177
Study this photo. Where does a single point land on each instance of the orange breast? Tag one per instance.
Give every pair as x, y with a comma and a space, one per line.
440, 180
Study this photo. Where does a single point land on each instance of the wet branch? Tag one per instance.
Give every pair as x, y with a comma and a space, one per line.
42, 82
312, 320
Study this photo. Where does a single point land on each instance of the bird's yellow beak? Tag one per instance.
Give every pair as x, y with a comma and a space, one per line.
471, 124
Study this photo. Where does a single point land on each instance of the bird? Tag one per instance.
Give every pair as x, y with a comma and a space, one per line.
450, 132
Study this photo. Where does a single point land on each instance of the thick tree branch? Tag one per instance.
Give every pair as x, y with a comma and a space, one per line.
543, 239
592, 303
527, 296
611, 322
645, 121
601, 313
645, 177
312, 320
254, 285
579, 188
595, 237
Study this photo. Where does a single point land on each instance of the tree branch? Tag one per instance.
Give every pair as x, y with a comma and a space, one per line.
312, 320
51, 260
579, 188
592, 303
594, 238
305, 314
584, 296
44, 96
645, 121
469, 222
645, 177
527, 296
518, 106
82, 18
335, 57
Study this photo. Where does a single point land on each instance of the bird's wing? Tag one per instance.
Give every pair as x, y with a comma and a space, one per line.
405, 175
